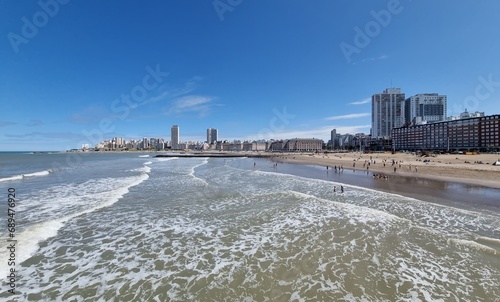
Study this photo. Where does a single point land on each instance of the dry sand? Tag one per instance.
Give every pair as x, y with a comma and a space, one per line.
469, 169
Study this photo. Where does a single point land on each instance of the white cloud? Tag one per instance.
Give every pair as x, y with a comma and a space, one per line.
382, 57
347, 116
361, 102
191, 103
188, 87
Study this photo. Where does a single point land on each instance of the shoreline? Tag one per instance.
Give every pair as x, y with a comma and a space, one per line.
463, 169
469, 194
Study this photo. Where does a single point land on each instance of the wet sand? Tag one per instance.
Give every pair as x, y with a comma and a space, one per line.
433, 182
467, 169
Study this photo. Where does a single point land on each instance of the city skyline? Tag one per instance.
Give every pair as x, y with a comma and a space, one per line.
68, 79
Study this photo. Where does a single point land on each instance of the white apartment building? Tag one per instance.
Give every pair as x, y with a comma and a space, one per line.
212, 136
427, 107
387, 112
175, 138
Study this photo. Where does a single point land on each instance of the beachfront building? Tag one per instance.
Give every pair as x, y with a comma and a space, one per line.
361, 141
428, 107
235, 145
466, 114
387, 112
182, 146
132, 144
476, 133
276, 146
345, 141
297, 145
212, 136
175, 138
254, 146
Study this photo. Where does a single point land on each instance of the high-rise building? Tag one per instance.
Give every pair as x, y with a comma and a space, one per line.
174, 137
387, 112
212, 136
119, 142
333, 139
429, 107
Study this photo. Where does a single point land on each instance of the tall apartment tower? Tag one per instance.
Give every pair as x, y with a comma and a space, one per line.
333, 138
212, 136
174, 134
145, 143
430, 107
387, 112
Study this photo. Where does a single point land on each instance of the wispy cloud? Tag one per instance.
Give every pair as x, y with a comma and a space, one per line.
95, 113
191, 103
189, 86
361, 102
37, 135
347, 116
371, 59
3, 124
90, 115
34, 123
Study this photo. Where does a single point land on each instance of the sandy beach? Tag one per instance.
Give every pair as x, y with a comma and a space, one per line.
467, 169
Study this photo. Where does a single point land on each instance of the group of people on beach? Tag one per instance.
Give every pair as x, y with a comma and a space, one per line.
380, 176
339, 168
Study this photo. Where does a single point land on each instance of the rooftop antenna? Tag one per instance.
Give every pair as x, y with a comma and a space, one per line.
391, 84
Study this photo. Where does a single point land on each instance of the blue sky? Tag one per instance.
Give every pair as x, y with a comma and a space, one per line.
72, 72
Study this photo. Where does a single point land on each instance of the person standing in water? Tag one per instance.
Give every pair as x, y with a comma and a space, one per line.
341, 189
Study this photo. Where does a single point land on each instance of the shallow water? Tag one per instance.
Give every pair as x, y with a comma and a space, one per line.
128, 228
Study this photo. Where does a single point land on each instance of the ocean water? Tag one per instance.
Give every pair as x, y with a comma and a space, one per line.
131, 227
